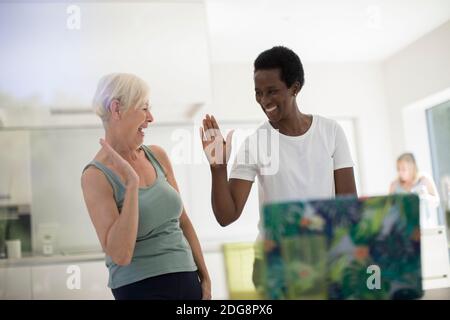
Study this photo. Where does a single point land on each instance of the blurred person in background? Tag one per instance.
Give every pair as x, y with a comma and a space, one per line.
410, 180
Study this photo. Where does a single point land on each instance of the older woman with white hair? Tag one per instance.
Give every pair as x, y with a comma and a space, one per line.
152, 250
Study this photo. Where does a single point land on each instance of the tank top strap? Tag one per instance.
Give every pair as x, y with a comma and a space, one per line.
158, 166
112, 178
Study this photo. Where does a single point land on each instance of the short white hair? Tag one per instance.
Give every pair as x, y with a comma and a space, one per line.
127, 88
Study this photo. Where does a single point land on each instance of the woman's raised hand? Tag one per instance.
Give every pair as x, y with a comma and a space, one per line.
123, 166
217, 150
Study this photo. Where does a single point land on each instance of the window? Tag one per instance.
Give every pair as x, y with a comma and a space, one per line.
438, 123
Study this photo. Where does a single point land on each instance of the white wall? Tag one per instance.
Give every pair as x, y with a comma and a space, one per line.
58, 157
417, 72
45, 64
338, 90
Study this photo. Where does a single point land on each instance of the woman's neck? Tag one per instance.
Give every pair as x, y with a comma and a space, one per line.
126, 151
295, 125
408, 183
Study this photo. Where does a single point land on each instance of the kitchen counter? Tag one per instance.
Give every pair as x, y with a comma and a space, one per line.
77, 256
62, 258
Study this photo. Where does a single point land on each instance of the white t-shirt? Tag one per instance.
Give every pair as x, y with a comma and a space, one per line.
293, 168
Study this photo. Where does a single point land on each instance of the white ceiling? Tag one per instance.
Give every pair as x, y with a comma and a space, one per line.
320, 30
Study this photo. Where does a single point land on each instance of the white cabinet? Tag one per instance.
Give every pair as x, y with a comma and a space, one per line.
15, 283
15, 175
435, 258
82, 280
87, 280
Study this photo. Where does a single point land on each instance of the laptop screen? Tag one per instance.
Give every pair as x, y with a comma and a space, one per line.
343, 248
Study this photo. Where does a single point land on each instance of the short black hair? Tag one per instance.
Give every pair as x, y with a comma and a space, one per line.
279, 57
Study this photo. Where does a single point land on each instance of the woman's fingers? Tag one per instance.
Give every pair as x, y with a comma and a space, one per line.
113, 155
214, 123
214, 127
219, 149
106, 145
210, 129
109, 149
121, 164
207, 132
202, 136
206, 122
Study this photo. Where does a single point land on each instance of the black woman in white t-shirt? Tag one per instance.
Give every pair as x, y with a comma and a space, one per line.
302, 156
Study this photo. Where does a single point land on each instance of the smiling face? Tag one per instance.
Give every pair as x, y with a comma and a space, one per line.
406, 171
127, 125
133, 123
275, 98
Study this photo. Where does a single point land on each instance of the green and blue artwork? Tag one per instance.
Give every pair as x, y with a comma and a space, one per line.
344, 248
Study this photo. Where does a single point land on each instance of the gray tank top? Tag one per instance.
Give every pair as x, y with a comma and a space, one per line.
160, 244
416, 188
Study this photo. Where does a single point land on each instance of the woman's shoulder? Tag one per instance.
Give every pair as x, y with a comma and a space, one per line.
160, 154
96, 167
323, 121
98, 158
325, 125
158, 151
424, 179
93, 176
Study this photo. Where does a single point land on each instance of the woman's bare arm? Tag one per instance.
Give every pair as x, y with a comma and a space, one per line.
117, 232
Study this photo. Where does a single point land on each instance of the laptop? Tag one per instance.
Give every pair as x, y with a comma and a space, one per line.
343, 248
